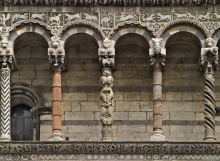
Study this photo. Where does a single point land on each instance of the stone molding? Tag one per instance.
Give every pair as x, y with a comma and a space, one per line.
148, 148
107, 3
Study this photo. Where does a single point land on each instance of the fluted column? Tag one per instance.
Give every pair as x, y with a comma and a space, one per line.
157, 58
7, 63
208, 62
106, 59
56, 56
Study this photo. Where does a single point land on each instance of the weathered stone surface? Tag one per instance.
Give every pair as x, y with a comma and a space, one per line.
127, 106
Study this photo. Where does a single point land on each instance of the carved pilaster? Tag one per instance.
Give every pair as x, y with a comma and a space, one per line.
208, 62
57, 58
106, 59
157, 58
7, 63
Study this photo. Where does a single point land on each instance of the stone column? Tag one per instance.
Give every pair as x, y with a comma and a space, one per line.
7, 62
106, 59
208, 62
56, 57
157, 58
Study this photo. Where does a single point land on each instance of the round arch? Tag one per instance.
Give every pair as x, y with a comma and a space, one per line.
23, 93
82, 30
29, 29
134, 30
183, 28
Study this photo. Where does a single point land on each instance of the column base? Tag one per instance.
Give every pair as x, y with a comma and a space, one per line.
5, 137
56, 137
107, 139
209, 139
157, 136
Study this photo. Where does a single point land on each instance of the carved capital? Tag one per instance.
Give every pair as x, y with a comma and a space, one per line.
56, 54
209, 57
157, 55
107, 55
7, 58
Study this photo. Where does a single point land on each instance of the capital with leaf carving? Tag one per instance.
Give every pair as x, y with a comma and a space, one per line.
56, 53
157, 54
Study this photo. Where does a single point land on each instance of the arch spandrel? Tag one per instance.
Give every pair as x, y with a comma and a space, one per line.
183, 28
135, 30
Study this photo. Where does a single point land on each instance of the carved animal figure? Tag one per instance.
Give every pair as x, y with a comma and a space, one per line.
3, 19
15, 17
38, 15
163, 17
72, 17
190, 16
149, 18
125, 18
90, 17
106, 20
217, 16
108, 62
203, 17
181, 16
55, 19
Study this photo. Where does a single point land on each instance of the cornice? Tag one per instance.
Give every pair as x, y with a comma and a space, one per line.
107, 3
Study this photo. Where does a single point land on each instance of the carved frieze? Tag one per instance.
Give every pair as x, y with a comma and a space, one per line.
105, 22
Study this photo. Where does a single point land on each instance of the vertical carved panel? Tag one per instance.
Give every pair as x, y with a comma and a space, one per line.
5, 104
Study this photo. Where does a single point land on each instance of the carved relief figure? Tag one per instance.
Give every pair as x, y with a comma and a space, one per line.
90, 17
124, 17
3, 19
150, 17
38, 16
54, 20
106, 51
156, 42
203, 17
72, 17
107, 20
162, 17
106, 96
181, 15
16, 16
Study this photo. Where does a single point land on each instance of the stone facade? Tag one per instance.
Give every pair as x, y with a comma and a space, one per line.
112, 71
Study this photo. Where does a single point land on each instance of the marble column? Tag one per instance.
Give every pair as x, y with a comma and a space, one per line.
56, 56
106, 59
157, 58
208, 62
8, 63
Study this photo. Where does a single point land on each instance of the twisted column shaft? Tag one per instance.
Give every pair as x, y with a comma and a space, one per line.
209, 103
5, 105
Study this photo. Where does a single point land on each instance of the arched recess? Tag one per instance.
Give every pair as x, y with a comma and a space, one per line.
128, 30
132, 84
183, 28
82, 30
183, 82
15, 34
23, 93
